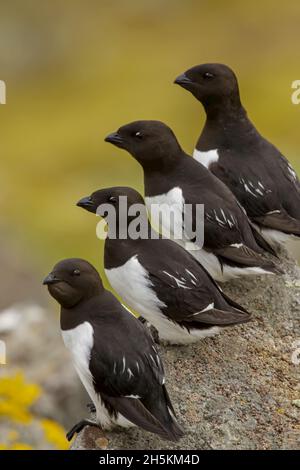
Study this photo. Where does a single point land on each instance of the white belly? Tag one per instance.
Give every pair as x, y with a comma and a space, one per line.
211, 263
206, 158
132, 283
275, 237
172, 218
79, 341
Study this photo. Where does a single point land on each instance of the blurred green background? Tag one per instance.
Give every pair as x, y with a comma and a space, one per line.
77, 70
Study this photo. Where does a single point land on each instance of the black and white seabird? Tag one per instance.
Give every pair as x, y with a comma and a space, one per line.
172, 179
257, 173
161, 280
113, 353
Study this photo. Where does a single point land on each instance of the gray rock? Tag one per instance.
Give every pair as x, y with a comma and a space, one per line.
29, 326
236, 390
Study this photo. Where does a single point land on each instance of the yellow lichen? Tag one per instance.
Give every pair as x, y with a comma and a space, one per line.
16, 396
54, 434
20, 446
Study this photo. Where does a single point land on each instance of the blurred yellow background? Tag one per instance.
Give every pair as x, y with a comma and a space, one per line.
75, 71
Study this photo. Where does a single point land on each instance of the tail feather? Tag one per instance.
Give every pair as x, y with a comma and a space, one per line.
163, 410
135, 411
222, 317
175, 430
262, 243
243, 256
280, 221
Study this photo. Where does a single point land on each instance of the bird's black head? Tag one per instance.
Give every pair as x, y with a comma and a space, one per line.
119, 206
110, 197
210, 83
149, 142
72, 281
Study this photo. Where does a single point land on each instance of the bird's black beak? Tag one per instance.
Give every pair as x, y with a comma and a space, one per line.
86, 203
115, 139
51, 279
183, 80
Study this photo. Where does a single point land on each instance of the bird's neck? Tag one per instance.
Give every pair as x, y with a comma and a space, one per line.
130, 227
72, 317
162, 181
227, 125
226, 107
119, 250
167, 161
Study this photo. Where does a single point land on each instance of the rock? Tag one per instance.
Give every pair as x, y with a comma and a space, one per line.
20, 282
31, 333
34, 345
102, 443
236, 390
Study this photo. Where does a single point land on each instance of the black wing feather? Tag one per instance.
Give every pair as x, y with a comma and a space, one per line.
129, 375
185, 287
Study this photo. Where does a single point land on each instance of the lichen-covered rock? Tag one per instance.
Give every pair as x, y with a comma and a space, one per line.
238, 390
40, 392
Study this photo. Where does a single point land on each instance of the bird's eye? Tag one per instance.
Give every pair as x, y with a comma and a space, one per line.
208, 76
112, 199
76, 272
138, 135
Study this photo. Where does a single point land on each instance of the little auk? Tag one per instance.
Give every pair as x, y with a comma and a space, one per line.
257, 173
158, 278
113, 353
172, 179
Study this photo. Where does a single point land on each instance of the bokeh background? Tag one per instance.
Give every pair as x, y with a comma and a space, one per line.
75, 71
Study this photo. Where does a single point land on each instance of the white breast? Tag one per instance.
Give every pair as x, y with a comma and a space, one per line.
206, 158
166, 213
80, 341
132, 283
